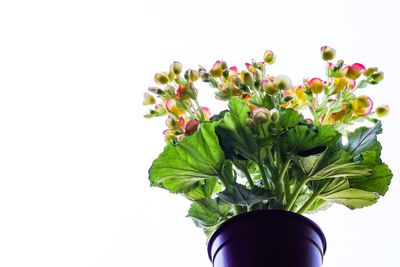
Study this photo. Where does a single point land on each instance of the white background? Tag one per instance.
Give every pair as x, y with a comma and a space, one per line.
75, 149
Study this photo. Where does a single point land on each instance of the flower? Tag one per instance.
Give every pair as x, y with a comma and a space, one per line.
382, 111
176, 67
327, 53
148, 99
259, 115
217, 70
269, 57
191, 127
161, 78
316, 85
172, 107
268, 86
282, 82
355, 71
340, 83
362, 105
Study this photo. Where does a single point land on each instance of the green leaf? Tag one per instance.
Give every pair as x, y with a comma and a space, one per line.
331, 164
235, 136
377, 182
241, 196
338, 164
353, 198
318, 205
302, 138
363, 139
205, 189
208, 212
290, 118
180, 167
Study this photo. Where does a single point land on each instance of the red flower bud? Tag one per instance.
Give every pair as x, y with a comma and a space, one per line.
191, 127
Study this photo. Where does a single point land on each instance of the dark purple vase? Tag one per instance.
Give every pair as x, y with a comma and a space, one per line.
270, 238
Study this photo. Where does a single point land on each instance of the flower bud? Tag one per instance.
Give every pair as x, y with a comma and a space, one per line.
204, 75
268, 86
191, 127
155, 90
171, 123
382, 111
224, 66
362, 101
246, 77
274, 115
340, 83
316, 85
376, 77
172, 106
182, 92
327, 53
217, 70
282, 82
369, 71
161, 78
176, 67
259, 115
354, 71
269, 57
148, 99
249, 122
192, 91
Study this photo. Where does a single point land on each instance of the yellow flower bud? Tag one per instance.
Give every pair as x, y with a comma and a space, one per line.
282, 82
269, 57
176, 67
161, 78
382, 111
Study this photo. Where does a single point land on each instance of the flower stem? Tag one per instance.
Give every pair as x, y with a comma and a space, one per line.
312, 199
283, 177
265, 180
296, 193
200, 109
248, 177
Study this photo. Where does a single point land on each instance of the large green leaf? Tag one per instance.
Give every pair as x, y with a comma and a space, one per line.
331, 163
377, 182
180, 167
363, 139
302, 138
236, 137
352, 198
290, 118
208, 212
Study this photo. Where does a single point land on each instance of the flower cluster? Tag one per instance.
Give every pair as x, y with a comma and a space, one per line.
331, 100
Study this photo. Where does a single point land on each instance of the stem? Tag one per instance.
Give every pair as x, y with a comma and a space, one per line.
296, 193
283, 177
248, 177
200, 109
236, 208
311, 200
265, 180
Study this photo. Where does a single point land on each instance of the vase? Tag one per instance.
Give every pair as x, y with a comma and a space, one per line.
268, 238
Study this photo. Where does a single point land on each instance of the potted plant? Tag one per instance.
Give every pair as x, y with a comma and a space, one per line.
278, 151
